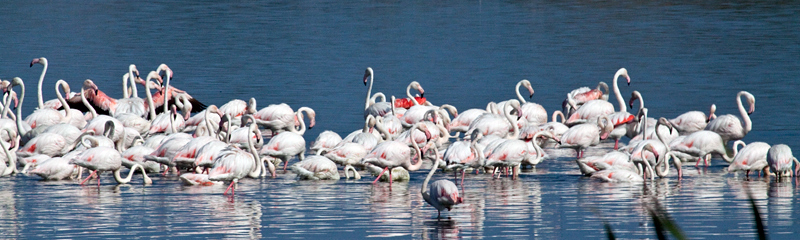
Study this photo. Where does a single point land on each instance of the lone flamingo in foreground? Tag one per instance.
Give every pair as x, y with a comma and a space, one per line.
443, 194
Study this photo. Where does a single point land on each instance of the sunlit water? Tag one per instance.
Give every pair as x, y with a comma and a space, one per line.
680, 56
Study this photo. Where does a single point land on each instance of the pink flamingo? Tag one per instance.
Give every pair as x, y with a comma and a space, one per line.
617, 175
596, 108
701, 143
464, 154
460, 123
288, 144
234, 164
316, 167
326, 141
752, 157
377, 109
522, 83
56, 168
582, 95
347, 154
440, 194
102, 159
728, 126
581, 136
280, 117
495, 124
391, 154
172, 92
693, 121
780, 160
612, 159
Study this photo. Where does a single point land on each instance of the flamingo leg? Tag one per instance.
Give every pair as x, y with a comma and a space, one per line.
285, 163
379, 175
390, 177
616, 144
463, 172
87, 178
697, 165
166, 170
229, 188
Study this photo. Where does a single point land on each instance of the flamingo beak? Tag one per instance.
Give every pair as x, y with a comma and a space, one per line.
752, 109
35, 61
629, 79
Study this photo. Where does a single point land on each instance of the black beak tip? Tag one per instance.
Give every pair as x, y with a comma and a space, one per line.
422, 94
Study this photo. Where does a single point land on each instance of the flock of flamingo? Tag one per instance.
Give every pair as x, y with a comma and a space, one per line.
91, 130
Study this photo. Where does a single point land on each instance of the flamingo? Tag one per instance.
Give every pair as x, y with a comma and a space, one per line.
701, 143
491, 124
555, 127
522, 83
326, 141
460, 123
618, 175
440, 194
411, 100
130, 104
391, 154
780, 160
693, 121
582, 95
595, 108
10, 159
316, 167
752, 157
581, 136
377, 109
464, 154
290, 143
728, 126
171, 92
234, 164
56, 168
612, 159
347, 154
533, 113
278, 119
100, 159
71, 116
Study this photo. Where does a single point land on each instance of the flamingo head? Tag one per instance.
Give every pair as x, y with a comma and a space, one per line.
649, 147
424, 128
367, 75
752, 101
418, 87
527, 85
40, 60
711, 115
623, 72
89, 86
132, 68
167, 72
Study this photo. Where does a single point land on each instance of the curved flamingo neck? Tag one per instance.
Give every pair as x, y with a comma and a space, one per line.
63, 84
299, 115
408, 93
748, 125
125, 93
133, 77
257, 168
41, 80
425, 192
86, 103
638, 95
510, 118
151, 106
557, 114
519, 96
418, 165
620, 100
21, 84
127, 179
736, 147
369, 90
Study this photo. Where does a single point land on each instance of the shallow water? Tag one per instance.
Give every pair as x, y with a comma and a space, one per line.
681, 56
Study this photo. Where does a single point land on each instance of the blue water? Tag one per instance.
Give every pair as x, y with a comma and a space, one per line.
681, 56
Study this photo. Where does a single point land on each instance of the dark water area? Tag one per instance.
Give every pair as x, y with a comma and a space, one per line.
681, 56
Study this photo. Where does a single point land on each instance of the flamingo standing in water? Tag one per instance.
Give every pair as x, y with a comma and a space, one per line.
701, 143
442, 193
728, 126
595, 108
693, 121
285, 145
100, 159
780, 160
391, 154
752, 157
234, 164
582, 136
326, 141
582, 95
